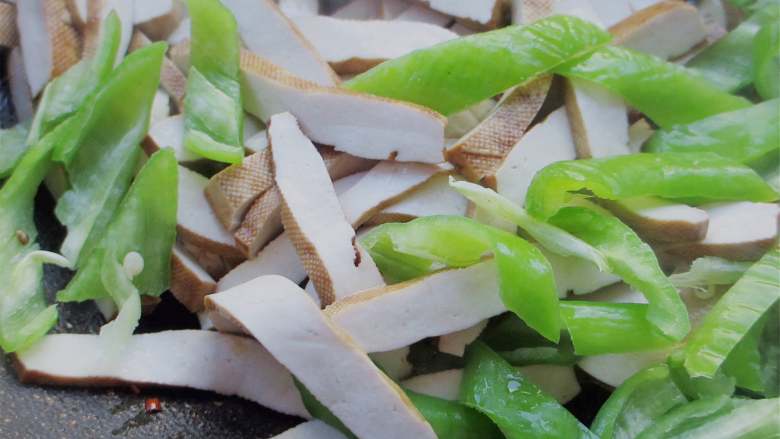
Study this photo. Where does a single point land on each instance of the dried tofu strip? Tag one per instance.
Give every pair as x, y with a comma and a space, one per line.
216, 265
49, 44
97, 11
359, 10
19, 87
394, 316
455, 343
315, 429
444, 384
480, 153
352, 46
386, 183
297, 8
169, 133
395, 364
462, 122
322, 357
660, 220
483, 14
528, 11
9, 37
435, 197
547, 142
313, 218
667, 29
262, 221
221, 363
266, 31
424, 14
172, 80
190, 283
612, 12
196, 223
599, 120
741, 231
158, 18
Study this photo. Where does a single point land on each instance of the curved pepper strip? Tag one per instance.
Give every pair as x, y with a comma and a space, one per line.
667, 93
519, 408
213, 115
766, 60
667, 175
451, 76
108, 151
526, 282
733, 316
637, 404
13, 144
145, 222
748, 136
634, 261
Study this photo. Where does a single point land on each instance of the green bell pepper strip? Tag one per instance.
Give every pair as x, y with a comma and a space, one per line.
145, 222
563, 355
667, 93
70, 92
744, 361
453, 75
748, 136
508, 332
769, 347
766, 61
526, 282
118, 282
518, 407
13, 144
668, 175
394, 266
698, 387
718, 418
631, 259
101, 168
451, 419
551, 237
732, 317
213, 115
637, 404
708, 271
598, 328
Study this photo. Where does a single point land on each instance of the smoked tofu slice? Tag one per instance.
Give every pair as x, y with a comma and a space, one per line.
49, 44
19, 87
480, 153
485, 14
267, 32
169, 133
315, 429
312, 216
203, 360
286, 321
455, 343
352, 46
190, 283
9, 37
660, 220
599, 120
158, 18
172, 80
278, 257
391, 317
434, 197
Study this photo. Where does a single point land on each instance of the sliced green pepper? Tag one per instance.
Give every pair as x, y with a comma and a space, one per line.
13, 144
766, 61
733, 316
493, 387
450, 419
744, 361
708, 271
212, 108
667, 175
667, 93
749, 136
453, 75
637, 404
526, 283
563, 355
101, 169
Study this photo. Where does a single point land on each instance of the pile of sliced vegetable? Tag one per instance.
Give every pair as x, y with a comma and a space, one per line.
441, 242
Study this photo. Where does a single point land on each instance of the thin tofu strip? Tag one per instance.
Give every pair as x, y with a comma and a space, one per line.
19, 87
9, 37
190, 283
480, 153
434, 197
172, 80
547, 142
359, 10
423, 14
599, 120
576, 275
612, 12
455, 343
266, 31
667, 29
197, 224
49, 44
231, 191
169, 133
386, 183
158, 18
297, 8
325, 359
387, 318
315, 429
482, 13
97, 11
313, 218
203, 360
352, 46
660, 220
741, 231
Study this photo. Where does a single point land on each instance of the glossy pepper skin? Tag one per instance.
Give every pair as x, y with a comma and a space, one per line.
453, 75
498, 390
766, 60
748, 136
526, 282
213, 114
